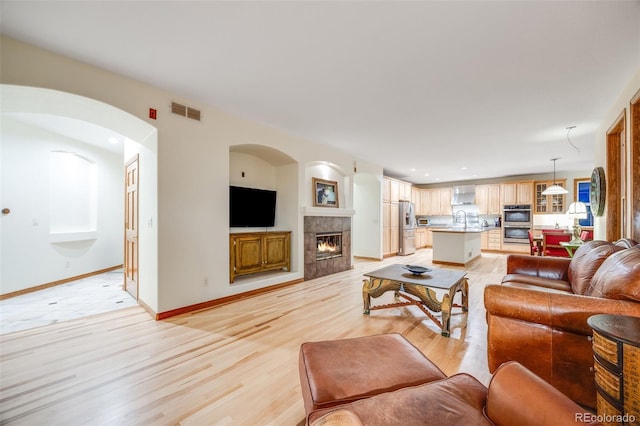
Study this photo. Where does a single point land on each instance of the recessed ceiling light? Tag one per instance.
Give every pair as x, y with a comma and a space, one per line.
464, 168
412, 170
426, 174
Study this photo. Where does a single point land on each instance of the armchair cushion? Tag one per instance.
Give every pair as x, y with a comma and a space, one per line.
618, 277
586, 261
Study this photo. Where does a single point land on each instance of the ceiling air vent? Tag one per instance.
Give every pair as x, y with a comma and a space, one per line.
193, 113
179, 109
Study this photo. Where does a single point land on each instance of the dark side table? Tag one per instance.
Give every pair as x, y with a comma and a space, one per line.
616, 352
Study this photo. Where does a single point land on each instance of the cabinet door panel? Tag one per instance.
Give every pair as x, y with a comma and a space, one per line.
248, 255
482, 199
508, 193
386, 241
276, 251
494, 200
394, 217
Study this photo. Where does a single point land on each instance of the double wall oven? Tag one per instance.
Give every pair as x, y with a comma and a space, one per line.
517, 222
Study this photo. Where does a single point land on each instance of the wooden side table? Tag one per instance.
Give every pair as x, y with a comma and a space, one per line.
616, 348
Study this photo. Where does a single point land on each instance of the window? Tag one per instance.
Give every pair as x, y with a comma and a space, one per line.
581, 193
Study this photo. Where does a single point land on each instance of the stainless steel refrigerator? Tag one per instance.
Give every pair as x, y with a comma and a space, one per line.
407, 229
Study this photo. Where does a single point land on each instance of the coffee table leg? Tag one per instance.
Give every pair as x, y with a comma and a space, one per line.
465, 295
376, 287
446, 315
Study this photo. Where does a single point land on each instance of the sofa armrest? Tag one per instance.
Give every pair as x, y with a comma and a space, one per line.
516, 396
554, 268
562, 311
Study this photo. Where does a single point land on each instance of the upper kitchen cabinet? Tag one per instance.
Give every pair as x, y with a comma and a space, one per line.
517, 192
444, 196
386, 190
426, 195
395, 190
550, 204
488, 199
416, 200
405, 191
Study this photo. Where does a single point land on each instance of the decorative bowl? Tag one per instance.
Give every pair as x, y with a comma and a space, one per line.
416, 270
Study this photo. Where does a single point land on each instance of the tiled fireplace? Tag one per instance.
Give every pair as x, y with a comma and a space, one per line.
327, 245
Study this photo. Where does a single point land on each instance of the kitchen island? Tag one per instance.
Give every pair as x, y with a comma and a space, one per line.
457, 245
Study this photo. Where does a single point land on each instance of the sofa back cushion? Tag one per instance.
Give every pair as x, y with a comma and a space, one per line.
586, 261
618, 277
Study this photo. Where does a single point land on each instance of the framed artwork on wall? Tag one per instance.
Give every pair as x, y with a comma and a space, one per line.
325, 193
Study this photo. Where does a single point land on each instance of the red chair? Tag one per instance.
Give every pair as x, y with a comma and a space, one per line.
586, 235
551, 240
533, 247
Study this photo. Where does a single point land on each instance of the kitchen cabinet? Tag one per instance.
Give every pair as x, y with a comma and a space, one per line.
254, 252
390, 228
421, 237
426, 195
416, 200
492, 240
386, 190
405, 191
549, 204
444, 195
435, 202
395, 191
488, 199
428, 240
391, 192
516, 192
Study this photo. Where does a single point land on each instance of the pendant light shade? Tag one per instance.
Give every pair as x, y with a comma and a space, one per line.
554, 189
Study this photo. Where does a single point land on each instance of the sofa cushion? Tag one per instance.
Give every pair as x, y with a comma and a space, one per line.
458, 400
586, 261
618, 277
536, 283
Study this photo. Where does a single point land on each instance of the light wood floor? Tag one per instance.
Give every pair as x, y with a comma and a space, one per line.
235, 364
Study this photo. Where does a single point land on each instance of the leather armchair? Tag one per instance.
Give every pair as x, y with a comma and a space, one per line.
538, 316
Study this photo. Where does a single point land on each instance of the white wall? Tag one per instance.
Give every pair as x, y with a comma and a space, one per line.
30, 258
192, 169
621, 103
367, 222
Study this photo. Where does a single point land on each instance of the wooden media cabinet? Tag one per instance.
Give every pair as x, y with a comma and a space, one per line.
254, 252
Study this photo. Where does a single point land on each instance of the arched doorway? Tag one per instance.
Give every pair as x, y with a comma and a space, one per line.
36, 124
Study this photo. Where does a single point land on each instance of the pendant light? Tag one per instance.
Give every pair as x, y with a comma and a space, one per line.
554, 189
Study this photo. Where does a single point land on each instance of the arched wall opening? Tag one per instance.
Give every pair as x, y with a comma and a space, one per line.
37, 122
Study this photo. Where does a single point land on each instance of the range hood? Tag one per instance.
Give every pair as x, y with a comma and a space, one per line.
463, 195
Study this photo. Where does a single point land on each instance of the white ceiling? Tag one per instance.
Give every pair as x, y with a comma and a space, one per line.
432, 86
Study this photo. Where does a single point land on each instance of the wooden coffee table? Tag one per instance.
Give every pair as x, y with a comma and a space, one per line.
418, 290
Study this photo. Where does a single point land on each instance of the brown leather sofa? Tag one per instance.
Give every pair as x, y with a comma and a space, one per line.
538, 316
365, 392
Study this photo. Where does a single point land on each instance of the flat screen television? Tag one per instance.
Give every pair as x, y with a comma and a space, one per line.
251, 207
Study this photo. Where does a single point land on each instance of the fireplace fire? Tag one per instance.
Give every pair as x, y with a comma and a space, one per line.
328, 245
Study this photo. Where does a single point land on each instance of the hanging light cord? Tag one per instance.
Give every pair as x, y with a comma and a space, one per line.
571, 143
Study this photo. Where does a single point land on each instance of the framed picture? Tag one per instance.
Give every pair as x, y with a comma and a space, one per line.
325, 193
